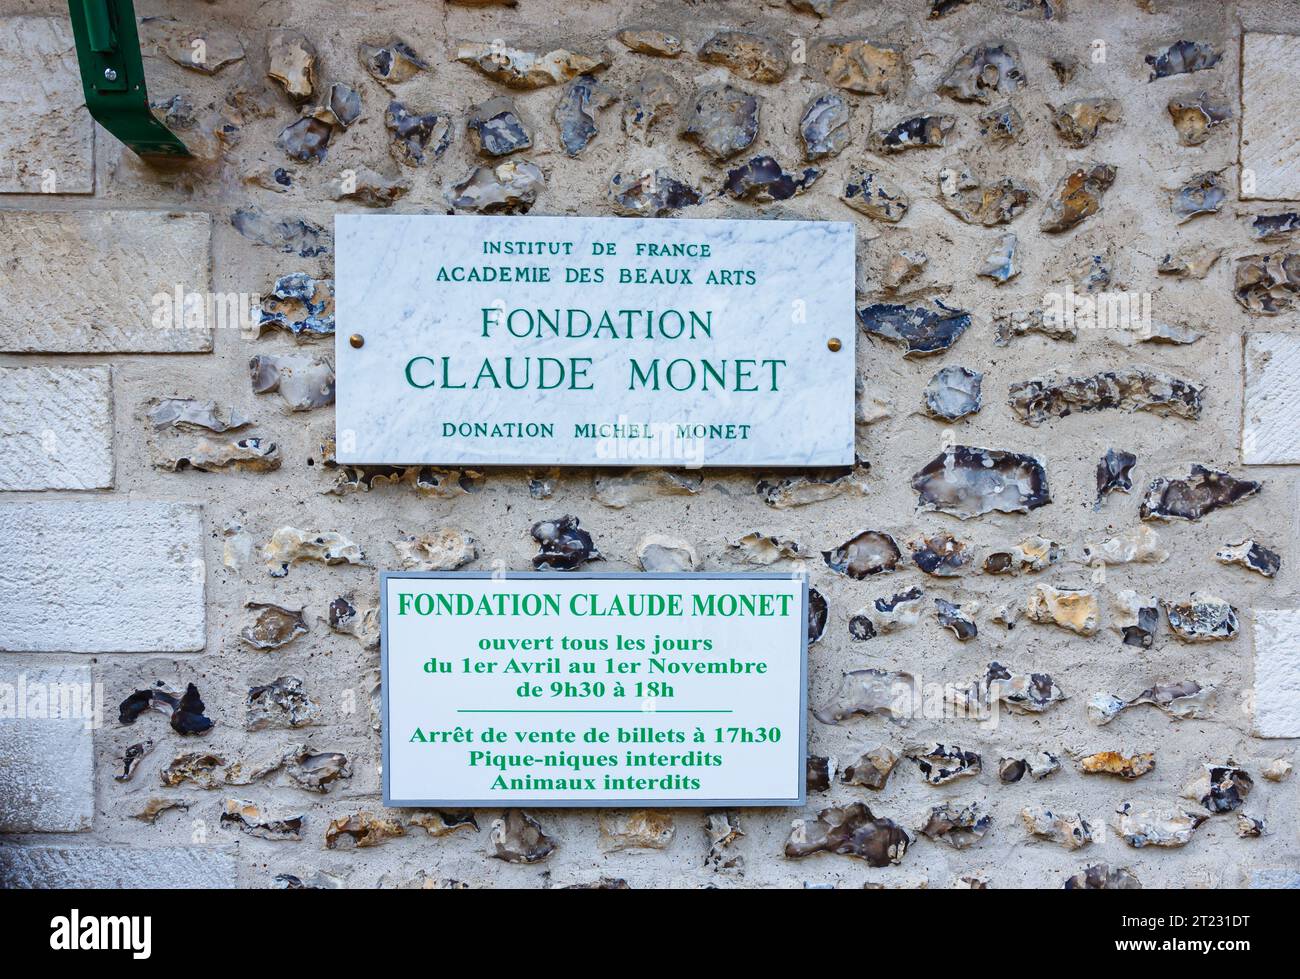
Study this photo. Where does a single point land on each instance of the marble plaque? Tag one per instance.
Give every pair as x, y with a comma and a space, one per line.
594, 341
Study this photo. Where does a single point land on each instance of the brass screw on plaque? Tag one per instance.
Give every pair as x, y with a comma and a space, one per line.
358, 341
833, 344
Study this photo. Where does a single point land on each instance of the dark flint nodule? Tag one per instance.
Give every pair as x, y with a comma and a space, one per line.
341, 613
1202, 619
280, 703
186, 711
950, 616
1144, 633
958, 827
1255, 556
1203, 193
824, 127
1268, 284
393, 62
345, 104
1064, 68
1228, 788
1099, 877
651, 195
416, 136
723, 121
131, 758
942, 8
564, 546
818, 615
850, 830
954, 392
306, 140
874, 195
922, 330
861, 628
942, 763
941, 554
1183, 57
869, 553
274, 626
916, 132
518, 838
982, 71
762, 180
1045, 9
288, 235
1077, 196
1001, 122
1128, 388
1012, 770
299, 304
1037, 693
819, 773
1194, 116
871, 769
1114, 472
883, 604
1191, 497
967, 481
575, 113
497, 127
1269, 227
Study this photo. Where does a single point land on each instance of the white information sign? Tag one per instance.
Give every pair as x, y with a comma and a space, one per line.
555, 689
469, 340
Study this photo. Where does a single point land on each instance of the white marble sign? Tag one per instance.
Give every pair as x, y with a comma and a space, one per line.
594, 689
594, 341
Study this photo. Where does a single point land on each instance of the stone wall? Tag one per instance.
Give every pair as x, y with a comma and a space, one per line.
142, 473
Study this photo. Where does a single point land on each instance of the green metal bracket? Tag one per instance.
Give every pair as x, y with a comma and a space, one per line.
112, 76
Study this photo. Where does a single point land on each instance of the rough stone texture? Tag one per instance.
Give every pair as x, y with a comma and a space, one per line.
47, 138
1118, 251
46, 756
56, 428
101, 576
1270, 139
1277, 673
87, 281
1270, 424
116, 867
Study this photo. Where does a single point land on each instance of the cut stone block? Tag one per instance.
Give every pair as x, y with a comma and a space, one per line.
1277, 673
47, 138
92, 281
47, 763
1275, 879
117, 867
1270, 142
56, 428
100, 576
1270, 424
